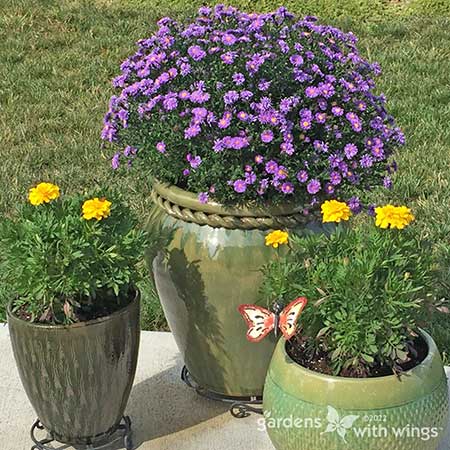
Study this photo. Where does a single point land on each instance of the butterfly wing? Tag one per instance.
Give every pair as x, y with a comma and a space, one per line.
260, 321
289, 317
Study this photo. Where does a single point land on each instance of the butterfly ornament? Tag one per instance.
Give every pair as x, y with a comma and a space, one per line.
261, 321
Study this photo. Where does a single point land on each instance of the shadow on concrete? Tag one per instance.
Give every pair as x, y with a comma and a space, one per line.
163, 405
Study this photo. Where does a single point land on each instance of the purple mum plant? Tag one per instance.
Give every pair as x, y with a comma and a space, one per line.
243, 107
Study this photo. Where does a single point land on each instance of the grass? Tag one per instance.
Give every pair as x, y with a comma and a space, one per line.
59, 56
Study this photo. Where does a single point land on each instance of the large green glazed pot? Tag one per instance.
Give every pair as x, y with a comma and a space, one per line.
212, 266
78, 377
305, 410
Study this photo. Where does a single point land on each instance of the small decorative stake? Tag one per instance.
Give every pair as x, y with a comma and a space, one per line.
123, 431
261, 321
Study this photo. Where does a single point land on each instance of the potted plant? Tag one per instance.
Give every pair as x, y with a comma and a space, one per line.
245, 122
74, 321
360, 372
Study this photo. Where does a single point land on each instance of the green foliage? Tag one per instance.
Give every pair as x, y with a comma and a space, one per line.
369, 290
429, 7
62, 267
50, 120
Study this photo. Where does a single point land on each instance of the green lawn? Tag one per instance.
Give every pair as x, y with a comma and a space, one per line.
57, 58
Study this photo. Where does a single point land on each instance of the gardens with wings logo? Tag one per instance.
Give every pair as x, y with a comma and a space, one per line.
337, 424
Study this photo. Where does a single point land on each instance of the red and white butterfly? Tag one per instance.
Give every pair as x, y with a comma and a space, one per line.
261, 321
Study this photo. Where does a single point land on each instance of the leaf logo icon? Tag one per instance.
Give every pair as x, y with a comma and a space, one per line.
338, 425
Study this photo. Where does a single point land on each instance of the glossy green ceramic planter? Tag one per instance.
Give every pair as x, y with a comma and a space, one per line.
78, 378
211, 268
306, 410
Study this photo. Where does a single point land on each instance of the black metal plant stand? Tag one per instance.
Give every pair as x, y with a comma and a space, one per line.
240, 406
122, 431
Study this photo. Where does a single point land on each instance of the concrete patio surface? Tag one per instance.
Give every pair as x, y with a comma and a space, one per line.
166, 414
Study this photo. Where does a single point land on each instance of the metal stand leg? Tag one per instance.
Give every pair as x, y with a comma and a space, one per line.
240, 406
122, 431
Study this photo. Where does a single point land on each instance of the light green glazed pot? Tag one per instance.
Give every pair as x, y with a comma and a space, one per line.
306, 410
212, 266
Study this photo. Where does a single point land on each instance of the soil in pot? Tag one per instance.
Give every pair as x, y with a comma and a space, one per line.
318, 360
106, 303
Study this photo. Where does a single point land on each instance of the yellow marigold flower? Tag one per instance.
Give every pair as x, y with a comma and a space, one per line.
43, 193
276, 238
334, 211
393, 216
96, 208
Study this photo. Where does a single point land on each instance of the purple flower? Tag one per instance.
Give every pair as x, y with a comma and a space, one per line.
312, 92
129, 151
185, 69
271, 166
351, 117
230, 97
161, 147
267, 136
115, 161
263, 185
387, 182
302, 176
320, 146
361, 105
109, 132
287, 147
170, 103
224, 122
242, 115
203, 197
350, 150
287, 188
192, 131
281, 173
305, 123
335, 178
199, 113
240, 186
238, 78
186, 172
250, 177
354, 204
313, 186
320, 117
283, 46
228, 39
196, 52
259, 159
199, 96
326, 89
194, 161
366, 161
337, 111
184, 95
228, 57
246, 95
264, 85
296, 60
329, 188
378, 152
371, 209
238, 142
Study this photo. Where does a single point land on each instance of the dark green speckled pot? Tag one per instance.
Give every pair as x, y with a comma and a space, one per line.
208, 272
385, 413
78, 378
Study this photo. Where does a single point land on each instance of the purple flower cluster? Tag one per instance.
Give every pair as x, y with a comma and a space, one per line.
207, 104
